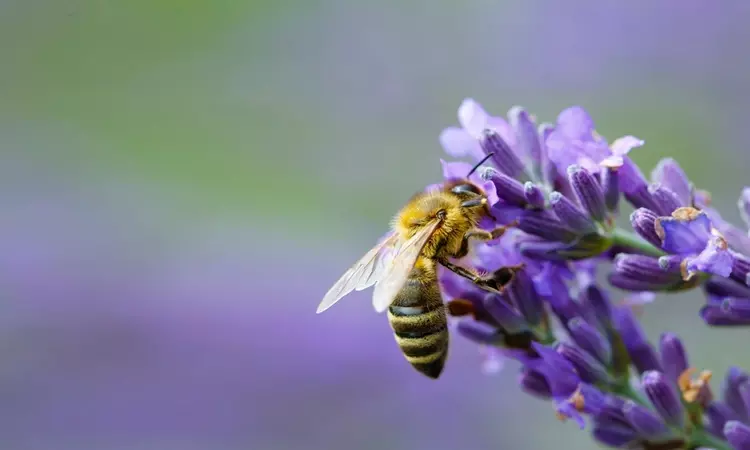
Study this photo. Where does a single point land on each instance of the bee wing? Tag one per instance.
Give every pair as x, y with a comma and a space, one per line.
367, 271
404, 258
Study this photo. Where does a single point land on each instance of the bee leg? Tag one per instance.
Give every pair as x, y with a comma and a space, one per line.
495, 282
486, 283
480, 234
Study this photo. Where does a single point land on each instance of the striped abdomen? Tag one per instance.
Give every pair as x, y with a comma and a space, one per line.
417, 316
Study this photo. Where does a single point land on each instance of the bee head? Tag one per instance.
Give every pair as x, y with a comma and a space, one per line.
470, 194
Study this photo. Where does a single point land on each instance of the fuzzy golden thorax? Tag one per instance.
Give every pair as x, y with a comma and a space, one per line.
444, 205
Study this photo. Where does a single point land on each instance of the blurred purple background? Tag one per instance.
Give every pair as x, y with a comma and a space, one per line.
181, 184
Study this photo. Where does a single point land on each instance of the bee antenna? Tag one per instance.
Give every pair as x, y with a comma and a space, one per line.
474, 169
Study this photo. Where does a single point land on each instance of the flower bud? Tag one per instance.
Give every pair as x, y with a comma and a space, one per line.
673, 356
569, 214
663, 395
738, 435
643, 222
503, 156
534, 195
589, 192
590, 339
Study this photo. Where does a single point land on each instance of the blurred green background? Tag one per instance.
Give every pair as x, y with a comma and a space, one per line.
181, 181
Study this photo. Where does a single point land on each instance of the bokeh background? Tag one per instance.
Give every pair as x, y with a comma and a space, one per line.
181, 181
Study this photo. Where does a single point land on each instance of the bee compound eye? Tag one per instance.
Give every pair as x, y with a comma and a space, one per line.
441, 214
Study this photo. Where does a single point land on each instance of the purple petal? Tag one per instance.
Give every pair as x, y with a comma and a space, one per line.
566, 409
459, 144
472, 117
684, 235
715, 259
669, 174
631, 177
623, 145
534, 383
575, 123
455, 169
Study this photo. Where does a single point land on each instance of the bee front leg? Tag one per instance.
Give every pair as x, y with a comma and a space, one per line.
482, 235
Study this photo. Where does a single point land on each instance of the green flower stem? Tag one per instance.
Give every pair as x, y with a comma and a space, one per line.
628, 239
702, 438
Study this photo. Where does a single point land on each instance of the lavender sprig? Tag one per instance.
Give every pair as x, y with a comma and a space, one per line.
559, 188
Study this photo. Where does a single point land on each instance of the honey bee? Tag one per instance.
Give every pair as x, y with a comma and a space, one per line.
433, 227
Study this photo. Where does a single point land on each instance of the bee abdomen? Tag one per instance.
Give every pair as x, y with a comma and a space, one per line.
422, 335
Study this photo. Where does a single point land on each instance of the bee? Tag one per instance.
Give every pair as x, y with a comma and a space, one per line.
433, 227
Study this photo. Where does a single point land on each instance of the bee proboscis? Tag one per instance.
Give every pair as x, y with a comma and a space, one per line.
432, 228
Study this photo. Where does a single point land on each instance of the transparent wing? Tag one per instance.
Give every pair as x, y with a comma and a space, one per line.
398, 271
364, 273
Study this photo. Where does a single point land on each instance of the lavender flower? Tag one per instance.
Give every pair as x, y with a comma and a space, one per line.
558, 189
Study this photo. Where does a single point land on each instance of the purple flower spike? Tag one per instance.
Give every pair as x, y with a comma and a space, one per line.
507, 188
648, 425
525, 297
534, 383
590, 339
534, 195
545, 225
526, 132
611, 186
589, 192
744, 205
643, 222
641, 353
670, 175
589, 369
673, 356
664, 397
570, 215
665, 201
509, 320
738, 435
502, 155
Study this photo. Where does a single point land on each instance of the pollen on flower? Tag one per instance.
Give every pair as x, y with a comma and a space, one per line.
719, 240
695, 389
686, 274
577, 401
686, 214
